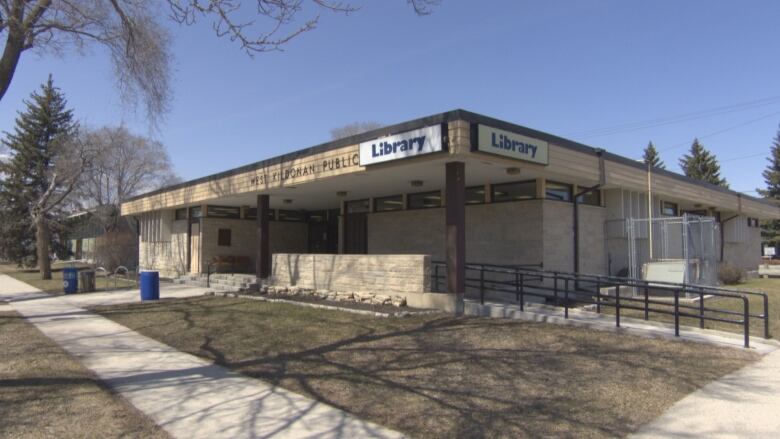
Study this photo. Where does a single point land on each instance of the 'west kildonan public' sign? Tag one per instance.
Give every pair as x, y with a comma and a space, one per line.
399, 146
507, 144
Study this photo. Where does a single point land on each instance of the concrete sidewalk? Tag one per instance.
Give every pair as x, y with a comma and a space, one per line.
187, 396
744, 404
606, 322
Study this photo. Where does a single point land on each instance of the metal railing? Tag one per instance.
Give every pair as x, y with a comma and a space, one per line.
650, 297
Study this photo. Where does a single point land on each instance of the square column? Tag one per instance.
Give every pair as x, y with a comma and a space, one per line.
263, 263
455, 206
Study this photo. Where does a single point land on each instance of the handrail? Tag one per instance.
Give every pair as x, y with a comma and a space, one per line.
521, 276
116, 273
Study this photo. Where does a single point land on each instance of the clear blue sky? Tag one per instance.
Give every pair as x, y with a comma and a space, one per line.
566, 67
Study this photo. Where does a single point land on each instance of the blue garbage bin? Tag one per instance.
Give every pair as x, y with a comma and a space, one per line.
70, 280
150, 285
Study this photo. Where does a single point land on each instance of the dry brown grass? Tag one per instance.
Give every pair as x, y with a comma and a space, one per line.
54, 285
436, 376
44, 393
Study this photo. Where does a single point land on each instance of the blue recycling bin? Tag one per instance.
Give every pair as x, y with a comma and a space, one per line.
70, 280
150, 285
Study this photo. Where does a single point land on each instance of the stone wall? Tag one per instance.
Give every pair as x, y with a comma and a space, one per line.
353, 273
285, 237
593, 258
498, 233
167, 257
747, 254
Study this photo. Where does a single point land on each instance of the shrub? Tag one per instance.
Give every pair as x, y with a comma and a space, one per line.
729, 274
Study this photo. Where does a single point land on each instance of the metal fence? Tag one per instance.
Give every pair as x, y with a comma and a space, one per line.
688, 244
575, 289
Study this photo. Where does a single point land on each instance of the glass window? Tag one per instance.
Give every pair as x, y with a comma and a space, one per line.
475, 195
224, 212
520, 190
557, 191
592, 198
196, 212
291, 215
223, 237
424, 200
181, 214
386, 204
251, 214
357, 206
668, 208
318, 216
752, 222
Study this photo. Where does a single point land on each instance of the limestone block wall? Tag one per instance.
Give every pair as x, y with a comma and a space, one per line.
505, 233
558, 236
498, 233
285, 237
381, 274
746, 254
407, 232
167, 257
593, 258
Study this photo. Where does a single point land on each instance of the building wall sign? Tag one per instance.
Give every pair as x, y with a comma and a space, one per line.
400, 146
508, 144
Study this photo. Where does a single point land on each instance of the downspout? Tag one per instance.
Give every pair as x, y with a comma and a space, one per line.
602, 181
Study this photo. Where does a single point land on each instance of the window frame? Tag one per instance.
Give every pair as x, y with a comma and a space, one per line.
484, 195
494, 187
582, 200
410, 197
570, 191
676, 208
227, 212
399, 198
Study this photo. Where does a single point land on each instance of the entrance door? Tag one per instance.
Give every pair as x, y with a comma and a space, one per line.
356, 227
324, 231
195, 248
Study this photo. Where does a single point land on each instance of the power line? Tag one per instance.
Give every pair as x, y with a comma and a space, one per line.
715, 133
743, 157
651, 123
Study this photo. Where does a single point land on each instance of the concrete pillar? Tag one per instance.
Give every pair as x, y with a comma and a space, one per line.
263, 263
455, 207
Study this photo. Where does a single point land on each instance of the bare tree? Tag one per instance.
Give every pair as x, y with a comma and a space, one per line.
353, 128
133, 33
73, 157
125, 165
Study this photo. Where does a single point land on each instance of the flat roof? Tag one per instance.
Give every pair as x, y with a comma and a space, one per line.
458, 114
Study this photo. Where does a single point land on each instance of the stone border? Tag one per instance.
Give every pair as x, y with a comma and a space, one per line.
336, 296
320, 306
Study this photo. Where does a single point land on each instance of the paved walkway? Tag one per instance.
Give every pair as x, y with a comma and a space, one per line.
187, 396
744, 404
587, 319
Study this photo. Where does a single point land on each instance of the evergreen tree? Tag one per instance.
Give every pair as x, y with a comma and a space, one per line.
770, 230
30, 192
652, 158
700, 164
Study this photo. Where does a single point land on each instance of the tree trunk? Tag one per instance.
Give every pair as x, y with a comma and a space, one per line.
42, 246
14, 45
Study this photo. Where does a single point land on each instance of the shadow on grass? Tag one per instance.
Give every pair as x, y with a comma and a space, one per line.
443, 376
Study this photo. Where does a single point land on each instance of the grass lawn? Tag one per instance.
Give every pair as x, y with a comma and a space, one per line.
54, 285
769, 286
441, 376
46, 393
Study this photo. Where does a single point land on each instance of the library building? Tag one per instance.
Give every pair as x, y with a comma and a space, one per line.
409, 209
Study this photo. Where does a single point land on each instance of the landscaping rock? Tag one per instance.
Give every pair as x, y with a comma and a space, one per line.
398, 301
